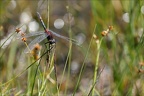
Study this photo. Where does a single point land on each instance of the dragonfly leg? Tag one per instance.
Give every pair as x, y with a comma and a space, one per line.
49, 47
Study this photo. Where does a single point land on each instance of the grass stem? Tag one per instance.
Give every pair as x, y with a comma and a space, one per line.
83, 65
96, 65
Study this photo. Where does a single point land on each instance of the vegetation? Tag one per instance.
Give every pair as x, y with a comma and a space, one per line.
103, 56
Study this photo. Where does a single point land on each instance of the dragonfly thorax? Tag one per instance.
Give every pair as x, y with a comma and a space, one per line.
51, 40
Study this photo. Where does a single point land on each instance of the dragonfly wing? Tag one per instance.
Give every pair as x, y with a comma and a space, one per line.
63, 37
31, 34
36, 40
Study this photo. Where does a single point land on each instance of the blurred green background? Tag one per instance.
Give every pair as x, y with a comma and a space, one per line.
121, 51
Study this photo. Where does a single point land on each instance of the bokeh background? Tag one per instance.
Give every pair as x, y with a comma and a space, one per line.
121, 61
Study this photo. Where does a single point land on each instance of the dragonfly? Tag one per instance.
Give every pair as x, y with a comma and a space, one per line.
42, 35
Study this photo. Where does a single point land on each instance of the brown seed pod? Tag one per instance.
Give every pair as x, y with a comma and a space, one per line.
22, 34
110, 28
17, 30
37, 47
141, 63
24, 39
104, 33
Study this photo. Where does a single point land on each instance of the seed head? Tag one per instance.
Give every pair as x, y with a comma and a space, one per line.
17, 30
35, 54
37, 47
141, 63
104, 33
96, 38
141, 71
110, 28
24, 39
36, 57
35, 51
22, 34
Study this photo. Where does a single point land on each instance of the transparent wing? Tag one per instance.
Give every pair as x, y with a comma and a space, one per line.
63, 37
31, 34
36, 40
